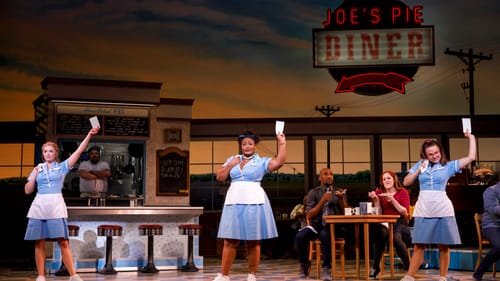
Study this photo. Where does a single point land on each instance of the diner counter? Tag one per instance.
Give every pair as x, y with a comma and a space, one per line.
133, 211
129, 249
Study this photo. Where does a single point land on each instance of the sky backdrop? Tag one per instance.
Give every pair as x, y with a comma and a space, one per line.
234, 58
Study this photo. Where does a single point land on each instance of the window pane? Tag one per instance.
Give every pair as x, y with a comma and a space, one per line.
395, 150
11, 172
415, 146
336, 151
199, 169
28, 154
320, 151
458, 148
200, 152
11, 154
489, 149
395, 167
356, 150
224, 149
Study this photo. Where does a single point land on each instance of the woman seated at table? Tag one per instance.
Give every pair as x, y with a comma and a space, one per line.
391, 198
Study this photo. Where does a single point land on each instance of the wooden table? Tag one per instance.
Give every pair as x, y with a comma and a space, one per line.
365, 220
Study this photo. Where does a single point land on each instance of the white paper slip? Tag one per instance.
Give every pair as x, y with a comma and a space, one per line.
466, 125
422, 168
94, 122
280, 126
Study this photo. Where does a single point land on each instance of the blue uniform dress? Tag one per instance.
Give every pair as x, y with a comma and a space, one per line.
47, 214
434, 214
247, 212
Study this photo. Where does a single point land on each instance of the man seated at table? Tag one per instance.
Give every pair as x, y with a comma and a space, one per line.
320, 202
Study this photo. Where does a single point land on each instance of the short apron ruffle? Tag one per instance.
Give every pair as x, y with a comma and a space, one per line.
46, 229
443, 230
247, 222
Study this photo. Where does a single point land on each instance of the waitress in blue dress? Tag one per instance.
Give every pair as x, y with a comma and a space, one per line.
434, 214
47, 214
247, 213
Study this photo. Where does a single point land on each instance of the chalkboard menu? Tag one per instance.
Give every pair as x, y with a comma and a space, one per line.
172, 172
74, 124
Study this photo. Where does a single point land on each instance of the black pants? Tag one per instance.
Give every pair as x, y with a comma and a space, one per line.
402, 239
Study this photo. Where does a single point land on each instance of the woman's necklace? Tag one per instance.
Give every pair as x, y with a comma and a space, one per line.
248, 157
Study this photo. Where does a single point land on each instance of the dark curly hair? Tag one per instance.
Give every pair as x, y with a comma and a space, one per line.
248, 134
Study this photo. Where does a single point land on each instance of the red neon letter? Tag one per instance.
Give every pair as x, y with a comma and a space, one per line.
350, 49
335, 46
340, 16
396, 13
328, 18
375, 17
367, 44
354, 16
414, 42
391, 37
418, 14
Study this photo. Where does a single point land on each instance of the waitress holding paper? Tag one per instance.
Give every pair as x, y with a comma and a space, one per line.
247, 213
434, 214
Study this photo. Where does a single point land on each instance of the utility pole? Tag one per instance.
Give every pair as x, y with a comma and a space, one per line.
470, 59
327, 111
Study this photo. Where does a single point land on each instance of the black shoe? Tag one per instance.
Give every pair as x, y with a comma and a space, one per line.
304, 269
374, 272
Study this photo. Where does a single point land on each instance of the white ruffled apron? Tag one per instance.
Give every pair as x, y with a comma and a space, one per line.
48, 206
433, 203
245, 192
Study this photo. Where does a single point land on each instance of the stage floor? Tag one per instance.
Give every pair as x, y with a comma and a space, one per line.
269, 270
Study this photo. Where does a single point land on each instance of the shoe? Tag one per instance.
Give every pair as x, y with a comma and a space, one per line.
75, 277
304, 269
326, 274
40, 278
221, 277
251, 277
374, 272
407, 278
477, 277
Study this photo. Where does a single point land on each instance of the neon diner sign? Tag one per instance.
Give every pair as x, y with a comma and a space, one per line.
374, 46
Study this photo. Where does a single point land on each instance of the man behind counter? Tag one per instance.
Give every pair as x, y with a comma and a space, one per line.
93, 173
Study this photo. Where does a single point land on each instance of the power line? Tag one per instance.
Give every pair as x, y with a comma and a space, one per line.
470, 59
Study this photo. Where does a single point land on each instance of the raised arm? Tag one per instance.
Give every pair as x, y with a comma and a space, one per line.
73, 159
279, 160
462, 162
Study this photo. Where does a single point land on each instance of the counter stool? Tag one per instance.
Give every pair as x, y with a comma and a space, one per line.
109, 231
150, 230
190, 230
72, 231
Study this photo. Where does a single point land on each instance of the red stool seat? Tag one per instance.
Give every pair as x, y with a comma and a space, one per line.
150, 230
109, 230
190, 230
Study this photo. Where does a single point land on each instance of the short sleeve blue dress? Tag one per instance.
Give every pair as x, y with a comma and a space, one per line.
247, 212
47, 214
434, 214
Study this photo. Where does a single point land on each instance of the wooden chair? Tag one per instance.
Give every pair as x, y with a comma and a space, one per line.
386, 255
481, 242
315, 252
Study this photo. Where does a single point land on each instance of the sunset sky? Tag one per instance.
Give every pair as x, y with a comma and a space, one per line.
234, 58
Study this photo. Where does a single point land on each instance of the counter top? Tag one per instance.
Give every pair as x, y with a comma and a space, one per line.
105, 211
